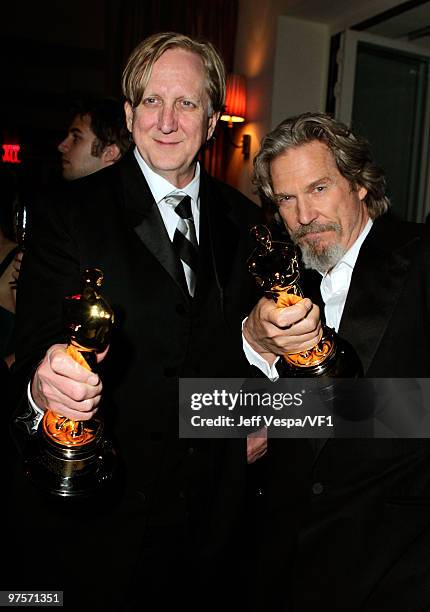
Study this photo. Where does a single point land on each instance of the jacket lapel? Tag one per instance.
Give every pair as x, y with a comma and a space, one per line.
377, 281
153, 234
218, 232
144, 216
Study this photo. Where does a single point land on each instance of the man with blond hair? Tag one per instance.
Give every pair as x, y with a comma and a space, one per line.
172, 243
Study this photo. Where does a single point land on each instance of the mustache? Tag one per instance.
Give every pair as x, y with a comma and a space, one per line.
314, 227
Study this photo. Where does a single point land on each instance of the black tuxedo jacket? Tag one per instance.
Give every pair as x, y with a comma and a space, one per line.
354, 514
109, 220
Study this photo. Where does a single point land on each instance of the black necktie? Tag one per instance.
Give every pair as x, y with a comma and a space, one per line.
184, 239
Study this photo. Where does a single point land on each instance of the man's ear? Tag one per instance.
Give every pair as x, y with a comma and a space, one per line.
212, 121
128, 115
362, 192
111, 154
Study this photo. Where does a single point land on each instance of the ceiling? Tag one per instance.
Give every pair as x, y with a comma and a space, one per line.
412, 25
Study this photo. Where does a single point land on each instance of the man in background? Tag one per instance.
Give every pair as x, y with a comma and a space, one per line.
97, 137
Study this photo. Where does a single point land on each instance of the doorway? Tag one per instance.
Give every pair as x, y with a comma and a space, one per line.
383, 92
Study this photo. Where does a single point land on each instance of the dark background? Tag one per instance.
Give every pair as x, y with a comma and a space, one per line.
53, 52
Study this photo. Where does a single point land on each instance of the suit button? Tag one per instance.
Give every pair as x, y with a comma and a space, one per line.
169, 372
317, 488
180, 309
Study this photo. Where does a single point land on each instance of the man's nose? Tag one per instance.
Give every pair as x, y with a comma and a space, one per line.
306, 212
63, 146
167, 120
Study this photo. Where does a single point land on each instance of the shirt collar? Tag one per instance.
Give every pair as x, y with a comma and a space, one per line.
160, 188
335, 283
351, 255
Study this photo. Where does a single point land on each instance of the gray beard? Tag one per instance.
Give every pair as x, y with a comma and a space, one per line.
315, 257
324, 260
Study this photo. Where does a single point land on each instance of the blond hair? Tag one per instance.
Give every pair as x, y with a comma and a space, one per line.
139, 66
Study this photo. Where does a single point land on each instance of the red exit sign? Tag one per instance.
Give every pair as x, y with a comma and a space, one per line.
10, 153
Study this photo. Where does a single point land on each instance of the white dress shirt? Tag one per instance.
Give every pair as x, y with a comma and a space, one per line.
335, 283
334, 289
160, 189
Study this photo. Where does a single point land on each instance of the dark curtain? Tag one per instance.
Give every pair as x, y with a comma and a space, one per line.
130, 21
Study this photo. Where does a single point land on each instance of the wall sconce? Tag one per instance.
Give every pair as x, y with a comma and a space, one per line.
235, 109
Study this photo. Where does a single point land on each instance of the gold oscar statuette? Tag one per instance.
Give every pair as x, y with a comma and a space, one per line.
275, 266
75, 459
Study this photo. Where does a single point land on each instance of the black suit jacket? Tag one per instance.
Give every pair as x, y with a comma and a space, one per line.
109, 220
354, 514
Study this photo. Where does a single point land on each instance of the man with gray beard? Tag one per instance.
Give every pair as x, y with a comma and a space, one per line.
348, 524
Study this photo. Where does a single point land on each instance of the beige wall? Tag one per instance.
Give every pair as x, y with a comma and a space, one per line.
285, 61
301, 68
255, 57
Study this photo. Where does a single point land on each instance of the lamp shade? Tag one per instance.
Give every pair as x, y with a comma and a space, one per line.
235, 102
